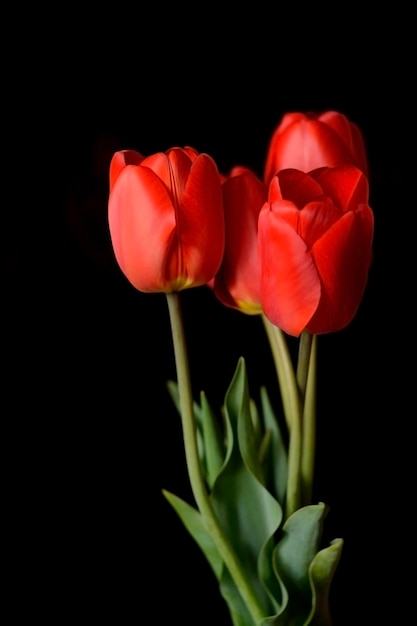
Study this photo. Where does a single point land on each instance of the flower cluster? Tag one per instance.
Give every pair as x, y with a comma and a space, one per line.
294, 247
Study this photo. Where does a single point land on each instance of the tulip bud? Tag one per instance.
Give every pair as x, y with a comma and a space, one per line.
166, 218
315, 248
237, 283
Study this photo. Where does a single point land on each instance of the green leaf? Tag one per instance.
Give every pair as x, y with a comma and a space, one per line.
257, 426
249, 443
271, 581
213, 441
237, 608
194, 523
276, 457
293, 556
248, 513
300, 542
174, 393
321, 573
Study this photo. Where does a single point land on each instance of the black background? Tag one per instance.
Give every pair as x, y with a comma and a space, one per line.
92, 436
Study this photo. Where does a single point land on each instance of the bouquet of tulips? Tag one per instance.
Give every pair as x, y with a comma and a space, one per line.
293, 247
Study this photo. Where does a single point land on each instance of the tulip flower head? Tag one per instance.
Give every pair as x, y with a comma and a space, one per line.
237, 283
315, 248
166, 218
307, 141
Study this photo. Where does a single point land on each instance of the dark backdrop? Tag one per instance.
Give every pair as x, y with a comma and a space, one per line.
93, 436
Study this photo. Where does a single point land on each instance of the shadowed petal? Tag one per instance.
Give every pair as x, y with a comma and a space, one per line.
294, 185
347, 186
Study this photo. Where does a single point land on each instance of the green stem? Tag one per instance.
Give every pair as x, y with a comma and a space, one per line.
309, 426
292, 409
195, 474
303, 361
281, 364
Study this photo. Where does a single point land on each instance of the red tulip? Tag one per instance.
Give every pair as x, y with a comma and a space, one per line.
308, 141
237, 284
166, 218
315, 248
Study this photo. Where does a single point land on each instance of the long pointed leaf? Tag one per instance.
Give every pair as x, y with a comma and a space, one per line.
247, 512
322, 570
213, 441
194, 523
277, 456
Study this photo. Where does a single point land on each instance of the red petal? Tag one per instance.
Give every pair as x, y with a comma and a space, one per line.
237, 283
315, 219
172, 168
290, 287
274, 190
342, 257
307, 145
270, 163
350, 134
200, 221
346, 185
141, 222
339, 123
120, 160
294, 185
192, 152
